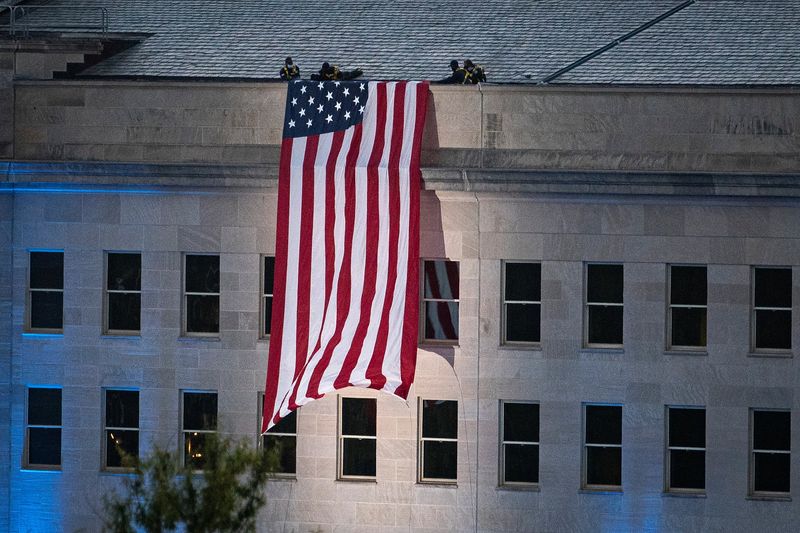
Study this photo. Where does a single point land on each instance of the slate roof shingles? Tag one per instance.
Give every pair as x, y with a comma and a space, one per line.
710, 42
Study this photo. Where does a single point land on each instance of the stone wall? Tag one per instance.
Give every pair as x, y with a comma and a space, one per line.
496, 127
6, 284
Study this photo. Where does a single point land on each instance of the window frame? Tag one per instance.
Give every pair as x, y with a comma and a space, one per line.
422, 301
587, 304
421, 479
751, 477
502, 447
754, 310
585, 485
341, 437
30, 290
263, 295
670, 306
185, 300
504, 304
260, 437
183, 431
106, 428
26, 464
106, 292
668, 488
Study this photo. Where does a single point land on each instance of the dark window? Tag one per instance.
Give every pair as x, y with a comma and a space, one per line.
771, 452
440, 300
44, 428
122, 428
123, 292
604, 284
199, 419
357, 437
46, 291
202, 294
438, 440
522, 302
281, 439
268, 278
772, 308
688, 300
519, 430
603, 446
686, 449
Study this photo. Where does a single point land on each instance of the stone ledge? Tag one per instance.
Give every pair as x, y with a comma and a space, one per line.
36, 174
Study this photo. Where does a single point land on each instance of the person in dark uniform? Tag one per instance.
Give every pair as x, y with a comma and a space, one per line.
459, 75
475, 73
289, 71
330, 72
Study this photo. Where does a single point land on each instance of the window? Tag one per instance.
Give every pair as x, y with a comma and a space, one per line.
46, 292
770, 452
281, 439
267, 280
522, 302
519, 443
440, 301
201, 295
357, 437
688, 297
772, 309
199, 419
43, 428
602, 451
438, 442
123, 297
121, 427
603, 312
686, 449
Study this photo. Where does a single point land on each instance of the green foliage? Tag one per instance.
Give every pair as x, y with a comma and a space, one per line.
163, 495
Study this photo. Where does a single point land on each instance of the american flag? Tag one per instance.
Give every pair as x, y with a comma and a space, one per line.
345, 304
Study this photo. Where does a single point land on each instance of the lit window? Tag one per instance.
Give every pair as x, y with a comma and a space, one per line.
772, 309
688, 300
281, 439
440, 301
522, 302
438, 441
602, 451
46, 292
123, 297
201, 295
519, 445
199, 419
686, 449
121, 427
357, 437
603, 311
267, 280
770, 452
43, 428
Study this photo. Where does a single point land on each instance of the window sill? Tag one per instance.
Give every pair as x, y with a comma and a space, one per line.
357, 479
673, 351
771, 355
601, 350
532, 487
439, 483
263, 339
127, 472
121, 336
200, 338
521, 346
601, 490
283, 477
42, 470
769, 498
683, 494
436, 345
42, 334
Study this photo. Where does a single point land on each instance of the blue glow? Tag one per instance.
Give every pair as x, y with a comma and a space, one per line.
42, 335
37, 504
76, 190
61, 250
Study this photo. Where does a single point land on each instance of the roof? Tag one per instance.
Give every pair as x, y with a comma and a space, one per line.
714, 42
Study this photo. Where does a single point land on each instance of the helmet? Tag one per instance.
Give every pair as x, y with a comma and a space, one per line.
468, 64
288, 60
326, 66
454, 64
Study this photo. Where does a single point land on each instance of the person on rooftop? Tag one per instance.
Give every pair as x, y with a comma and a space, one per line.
330, 72
475, 73
289, 71
458, 76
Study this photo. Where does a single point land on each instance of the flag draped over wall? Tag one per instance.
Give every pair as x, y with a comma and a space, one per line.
345, 299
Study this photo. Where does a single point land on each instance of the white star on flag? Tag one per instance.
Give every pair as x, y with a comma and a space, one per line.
329, 119
291, 123
329, 95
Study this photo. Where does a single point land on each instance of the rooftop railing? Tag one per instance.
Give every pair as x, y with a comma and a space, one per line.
21, 20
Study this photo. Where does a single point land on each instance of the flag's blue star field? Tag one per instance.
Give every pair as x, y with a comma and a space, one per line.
313, 108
